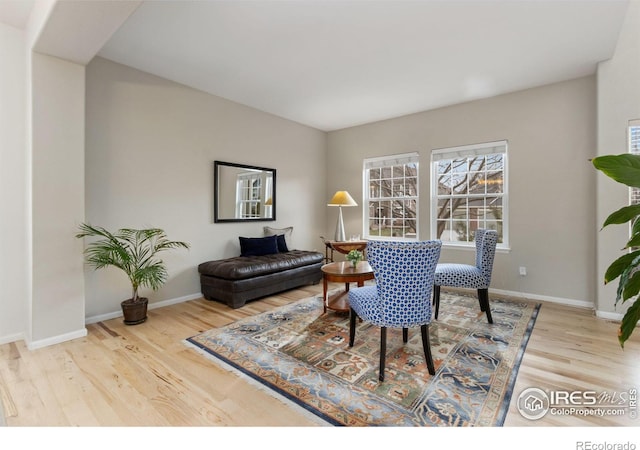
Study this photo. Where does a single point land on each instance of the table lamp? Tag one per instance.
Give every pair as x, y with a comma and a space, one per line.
340, 199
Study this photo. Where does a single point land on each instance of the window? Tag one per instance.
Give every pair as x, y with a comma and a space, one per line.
634, 148
391, 197
248, 189
469, 191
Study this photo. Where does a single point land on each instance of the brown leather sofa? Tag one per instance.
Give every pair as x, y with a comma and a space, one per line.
236, 280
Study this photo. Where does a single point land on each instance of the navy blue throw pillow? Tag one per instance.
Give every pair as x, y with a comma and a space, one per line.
282, 243
258, 246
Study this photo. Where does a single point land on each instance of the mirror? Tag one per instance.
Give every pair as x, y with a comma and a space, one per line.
243, 193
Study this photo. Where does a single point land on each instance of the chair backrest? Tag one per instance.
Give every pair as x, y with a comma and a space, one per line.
486, 241
404, 272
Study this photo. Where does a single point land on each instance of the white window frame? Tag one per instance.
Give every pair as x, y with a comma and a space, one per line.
389, 161
469, 151
633, 147
248, 195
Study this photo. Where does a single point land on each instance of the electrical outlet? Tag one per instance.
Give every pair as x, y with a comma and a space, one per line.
523, 271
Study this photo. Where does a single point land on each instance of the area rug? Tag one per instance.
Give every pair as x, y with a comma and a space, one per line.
301, 353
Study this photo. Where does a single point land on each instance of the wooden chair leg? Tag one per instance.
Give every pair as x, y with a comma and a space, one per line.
483, 297
483, 308
383, 351
424, 329
436, 299
352, 326
405, 335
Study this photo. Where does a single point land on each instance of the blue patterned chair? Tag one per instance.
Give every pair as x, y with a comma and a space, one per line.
468, 276
401, 297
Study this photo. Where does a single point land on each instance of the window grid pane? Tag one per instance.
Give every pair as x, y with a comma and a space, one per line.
468, 195
634, 148
248, 203
392, 200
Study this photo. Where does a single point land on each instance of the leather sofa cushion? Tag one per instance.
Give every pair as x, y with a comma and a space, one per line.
243, 267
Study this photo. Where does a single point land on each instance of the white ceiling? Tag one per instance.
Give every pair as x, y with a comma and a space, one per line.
332, 64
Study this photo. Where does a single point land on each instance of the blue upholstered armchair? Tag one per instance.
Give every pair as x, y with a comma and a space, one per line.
401, 297
468, 276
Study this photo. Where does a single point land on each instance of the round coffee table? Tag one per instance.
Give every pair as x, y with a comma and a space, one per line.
343, 272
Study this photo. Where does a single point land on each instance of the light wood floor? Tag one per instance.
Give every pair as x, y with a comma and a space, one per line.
144, 375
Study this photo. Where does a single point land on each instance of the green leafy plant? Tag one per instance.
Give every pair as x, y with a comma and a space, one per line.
131, 250
625, 169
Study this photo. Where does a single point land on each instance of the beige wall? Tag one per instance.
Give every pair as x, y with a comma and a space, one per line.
57, 129
41, 189
150, 148
13, 195
551, 136
618, 102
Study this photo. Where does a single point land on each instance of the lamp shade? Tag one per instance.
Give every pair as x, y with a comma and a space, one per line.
342, 198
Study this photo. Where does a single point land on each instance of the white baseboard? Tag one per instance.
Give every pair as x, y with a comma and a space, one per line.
605, 315
616, 317
11, 338
545, 298
528, 296
57, 339
88, 320
116, 314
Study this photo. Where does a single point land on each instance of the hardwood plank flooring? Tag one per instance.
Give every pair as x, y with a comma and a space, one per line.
144, 375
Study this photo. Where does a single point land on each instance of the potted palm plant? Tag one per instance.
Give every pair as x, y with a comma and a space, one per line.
135, 253
625, 169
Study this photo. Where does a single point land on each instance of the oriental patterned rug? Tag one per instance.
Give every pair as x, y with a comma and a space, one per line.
303, 355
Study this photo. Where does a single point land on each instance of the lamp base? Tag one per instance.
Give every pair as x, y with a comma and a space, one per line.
340, 236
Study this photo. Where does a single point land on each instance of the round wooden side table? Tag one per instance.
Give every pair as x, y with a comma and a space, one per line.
343, 272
